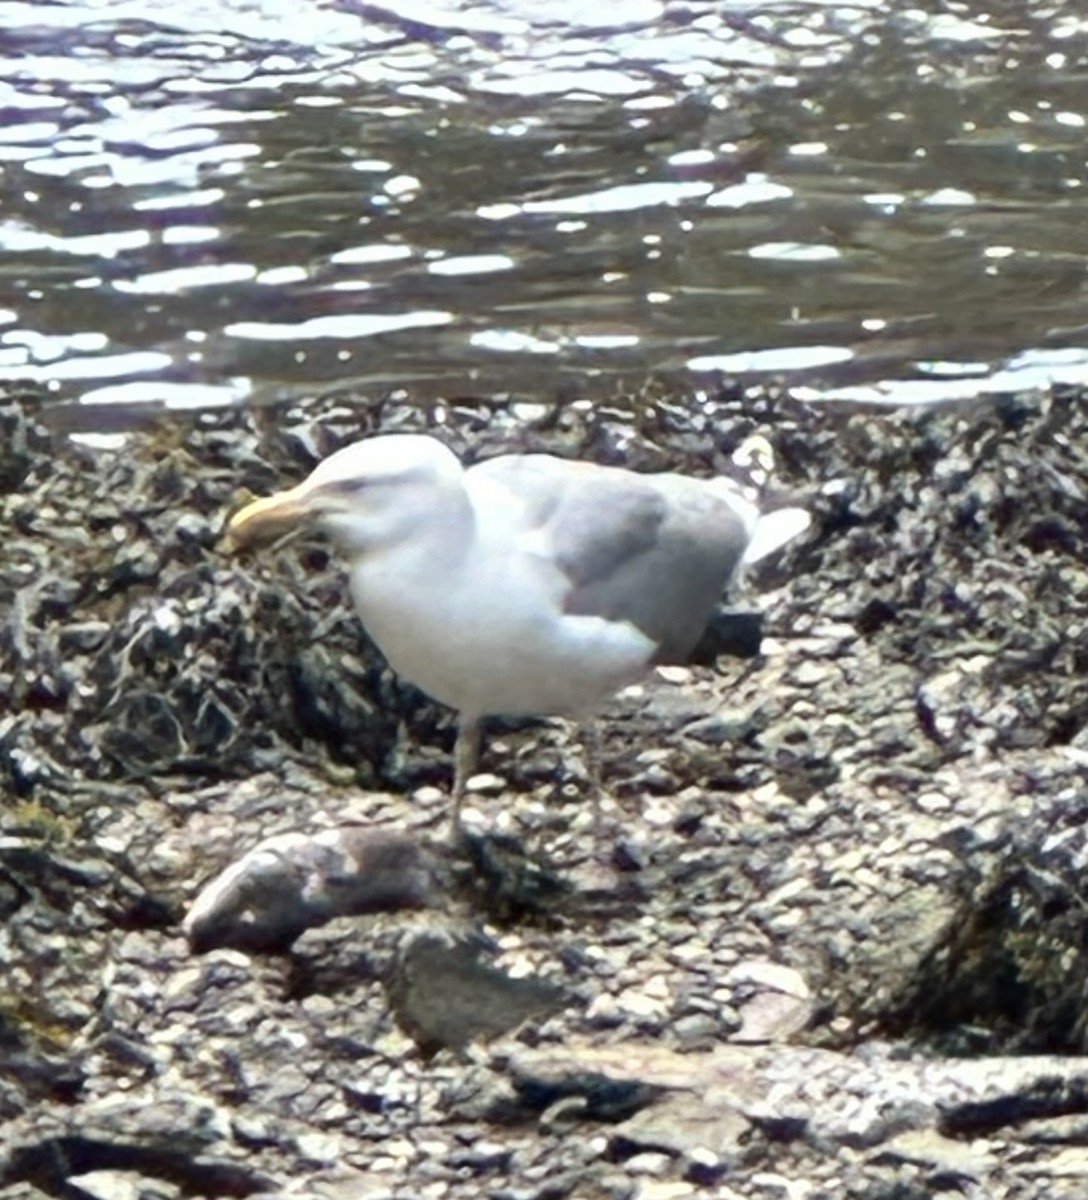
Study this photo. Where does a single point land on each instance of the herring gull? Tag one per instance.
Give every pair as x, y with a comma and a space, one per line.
526, 585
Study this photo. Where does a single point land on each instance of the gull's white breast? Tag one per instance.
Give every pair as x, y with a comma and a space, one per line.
481, 626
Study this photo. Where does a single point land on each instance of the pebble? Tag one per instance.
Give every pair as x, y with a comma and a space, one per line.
696, 1027
604, 1011
106, 1185
675, 674
649, 1162
486, 784
637, 1003
664, 1189
776, 976
320, 1147
809, 674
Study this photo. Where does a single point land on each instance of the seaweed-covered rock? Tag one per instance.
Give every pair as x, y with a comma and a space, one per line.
871, 830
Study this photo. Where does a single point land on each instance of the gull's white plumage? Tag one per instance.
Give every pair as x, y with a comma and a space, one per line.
524, 585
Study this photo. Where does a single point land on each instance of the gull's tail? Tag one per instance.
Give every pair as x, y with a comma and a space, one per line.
779, 521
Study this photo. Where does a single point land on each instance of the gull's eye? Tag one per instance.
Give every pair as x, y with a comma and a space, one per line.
347, 487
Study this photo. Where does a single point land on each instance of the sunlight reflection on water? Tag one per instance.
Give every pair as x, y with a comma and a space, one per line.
246, 198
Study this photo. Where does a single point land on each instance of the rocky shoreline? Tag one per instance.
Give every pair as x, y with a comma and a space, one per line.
838, 949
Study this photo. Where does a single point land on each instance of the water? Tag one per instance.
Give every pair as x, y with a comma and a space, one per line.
201, 203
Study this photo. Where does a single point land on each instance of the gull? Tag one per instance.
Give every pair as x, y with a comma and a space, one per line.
526, 584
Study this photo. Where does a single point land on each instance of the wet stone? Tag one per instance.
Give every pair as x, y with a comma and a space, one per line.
444, 996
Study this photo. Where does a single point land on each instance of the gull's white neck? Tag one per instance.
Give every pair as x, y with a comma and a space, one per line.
411, 552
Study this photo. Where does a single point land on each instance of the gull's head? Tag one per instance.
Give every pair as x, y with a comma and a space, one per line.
367, 494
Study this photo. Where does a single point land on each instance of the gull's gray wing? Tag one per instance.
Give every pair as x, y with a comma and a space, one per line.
654, 550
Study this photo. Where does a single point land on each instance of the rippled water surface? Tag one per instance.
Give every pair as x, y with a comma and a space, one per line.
206, 201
